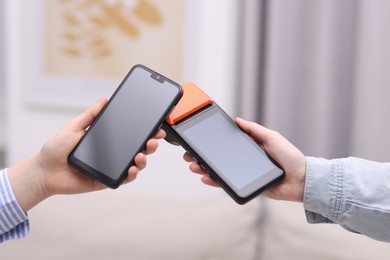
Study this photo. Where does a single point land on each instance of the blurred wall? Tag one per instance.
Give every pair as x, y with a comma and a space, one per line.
210, 54
209, 62
2, 90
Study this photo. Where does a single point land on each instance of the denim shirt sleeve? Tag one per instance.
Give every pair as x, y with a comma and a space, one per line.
352, 192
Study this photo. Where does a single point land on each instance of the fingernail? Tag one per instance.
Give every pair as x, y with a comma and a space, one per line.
101, 99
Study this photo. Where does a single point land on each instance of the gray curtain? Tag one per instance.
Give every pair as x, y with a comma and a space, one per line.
320, 74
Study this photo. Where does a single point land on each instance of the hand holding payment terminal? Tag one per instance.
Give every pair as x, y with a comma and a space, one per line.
214, 140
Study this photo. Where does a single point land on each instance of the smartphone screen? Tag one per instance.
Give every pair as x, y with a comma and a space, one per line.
228, 153
133, 115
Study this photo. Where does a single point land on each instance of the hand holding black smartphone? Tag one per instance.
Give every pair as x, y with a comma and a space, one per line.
230, 156
132, 116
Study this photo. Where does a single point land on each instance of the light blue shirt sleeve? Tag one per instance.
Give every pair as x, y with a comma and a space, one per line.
13, 221
351, 192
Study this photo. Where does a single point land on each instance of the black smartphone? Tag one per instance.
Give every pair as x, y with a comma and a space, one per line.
229, 155
131, 117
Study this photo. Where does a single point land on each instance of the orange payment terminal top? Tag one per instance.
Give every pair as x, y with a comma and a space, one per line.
193, 99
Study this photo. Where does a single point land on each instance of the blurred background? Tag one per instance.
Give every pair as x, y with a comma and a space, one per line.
316, 71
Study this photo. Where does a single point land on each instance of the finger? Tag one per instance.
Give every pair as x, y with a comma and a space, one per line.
160, 134
151, 146
98, 186
140, 161
196, 168
86, 118
188, 158
131, 175
209, 181
258, 132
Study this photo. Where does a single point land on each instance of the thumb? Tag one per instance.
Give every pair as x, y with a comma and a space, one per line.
256, 131
86, 118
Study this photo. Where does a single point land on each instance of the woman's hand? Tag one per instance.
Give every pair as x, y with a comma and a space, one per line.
48, 173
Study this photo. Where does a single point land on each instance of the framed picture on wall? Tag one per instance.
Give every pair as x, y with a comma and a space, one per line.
78, 51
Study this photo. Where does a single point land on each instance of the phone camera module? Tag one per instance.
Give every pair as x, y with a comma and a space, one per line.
158, 77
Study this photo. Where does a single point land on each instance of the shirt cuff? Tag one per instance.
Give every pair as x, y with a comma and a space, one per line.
323, 190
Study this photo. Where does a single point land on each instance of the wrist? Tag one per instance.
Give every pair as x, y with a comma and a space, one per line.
27, 180
292, 188
300, 181
300, 188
